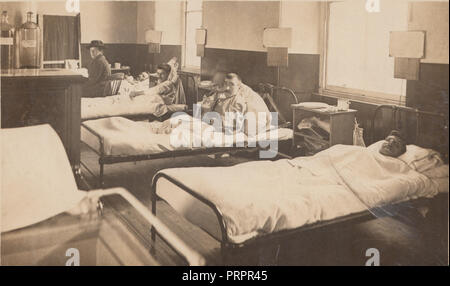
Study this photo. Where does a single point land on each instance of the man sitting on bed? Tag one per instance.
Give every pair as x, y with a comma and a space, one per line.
236, 97
394, 144
233, 98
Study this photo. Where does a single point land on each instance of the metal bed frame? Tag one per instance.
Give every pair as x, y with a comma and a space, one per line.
192, 257
149, 116
400, 121
105, 159
228, 247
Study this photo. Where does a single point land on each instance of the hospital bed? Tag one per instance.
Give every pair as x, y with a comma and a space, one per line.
260, 204
144, 107
116, 140
46, 220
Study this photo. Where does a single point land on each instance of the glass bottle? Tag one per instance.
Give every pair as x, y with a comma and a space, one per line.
6, 43
28, 44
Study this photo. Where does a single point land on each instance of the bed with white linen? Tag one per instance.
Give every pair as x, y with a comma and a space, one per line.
118, 139
263, 197
44, 215
122, 105
265, 200
143, 106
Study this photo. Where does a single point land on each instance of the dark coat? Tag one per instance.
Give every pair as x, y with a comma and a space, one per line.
99, 73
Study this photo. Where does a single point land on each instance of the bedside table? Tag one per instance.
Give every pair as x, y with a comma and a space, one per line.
341, 125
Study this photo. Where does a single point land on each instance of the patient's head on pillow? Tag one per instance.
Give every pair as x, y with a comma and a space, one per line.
394, 145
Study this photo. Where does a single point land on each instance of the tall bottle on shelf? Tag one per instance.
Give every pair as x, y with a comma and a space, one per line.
6, 43
28, 47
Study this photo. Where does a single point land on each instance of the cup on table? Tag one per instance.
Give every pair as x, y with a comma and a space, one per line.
117, 65
343, 104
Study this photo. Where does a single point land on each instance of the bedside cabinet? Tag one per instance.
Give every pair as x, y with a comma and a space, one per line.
341, 125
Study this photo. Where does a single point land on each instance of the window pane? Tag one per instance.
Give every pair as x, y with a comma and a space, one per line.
358, 46
60, 37
193, 22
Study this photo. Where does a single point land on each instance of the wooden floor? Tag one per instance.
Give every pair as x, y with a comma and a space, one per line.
406, 239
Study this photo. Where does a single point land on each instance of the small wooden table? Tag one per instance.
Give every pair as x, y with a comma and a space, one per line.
341, 124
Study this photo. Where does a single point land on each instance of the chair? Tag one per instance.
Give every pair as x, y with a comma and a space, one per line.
112, 85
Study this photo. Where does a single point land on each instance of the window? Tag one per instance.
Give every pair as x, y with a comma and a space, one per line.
61, 39
357, 55
193, 21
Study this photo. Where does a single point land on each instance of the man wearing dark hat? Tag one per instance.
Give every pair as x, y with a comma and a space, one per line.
394, 145
99, 70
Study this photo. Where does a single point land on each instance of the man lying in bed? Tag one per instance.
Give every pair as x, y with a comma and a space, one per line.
261, 197
137, 97
167, 83
165, 87
394, 144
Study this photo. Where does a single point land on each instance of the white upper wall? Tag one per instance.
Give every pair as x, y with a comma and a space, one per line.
17, 11
234, 25
145, 19
304, 19
239, 25
111, 21
432, 18
169, 20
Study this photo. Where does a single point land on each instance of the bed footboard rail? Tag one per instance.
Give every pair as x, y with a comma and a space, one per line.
225, 242
173, 241
274, 96
100, 153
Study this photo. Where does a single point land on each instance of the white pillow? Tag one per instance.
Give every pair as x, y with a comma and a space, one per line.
440, 172
421, 159
418, 158
439, 176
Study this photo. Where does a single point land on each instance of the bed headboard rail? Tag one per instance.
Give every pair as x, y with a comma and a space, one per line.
422, 128
190, 86
278, 99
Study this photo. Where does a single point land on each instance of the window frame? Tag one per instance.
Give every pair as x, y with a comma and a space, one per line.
347, 92
40, 22
183, 53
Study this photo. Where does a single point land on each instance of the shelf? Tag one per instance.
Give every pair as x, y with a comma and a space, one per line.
341, 126
311, 137
323, 111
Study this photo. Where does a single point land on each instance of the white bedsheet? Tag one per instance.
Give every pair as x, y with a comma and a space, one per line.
36, 177
262, 197
126, 137
122, 105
